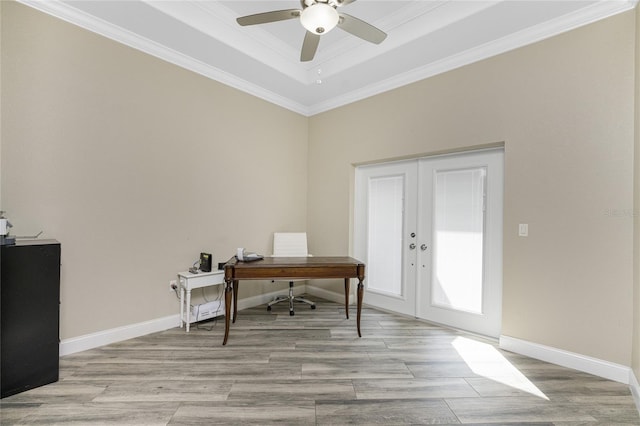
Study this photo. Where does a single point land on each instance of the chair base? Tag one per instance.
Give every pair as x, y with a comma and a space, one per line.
291, 298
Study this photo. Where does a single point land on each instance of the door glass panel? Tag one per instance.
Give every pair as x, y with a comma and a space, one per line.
384, 264
459, 236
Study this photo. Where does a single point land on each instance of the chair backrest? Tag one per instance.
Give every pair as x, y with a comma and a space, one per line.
290, 244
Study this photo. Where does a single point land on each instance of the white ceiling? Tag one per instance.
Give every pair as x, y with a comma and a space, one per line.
425, 37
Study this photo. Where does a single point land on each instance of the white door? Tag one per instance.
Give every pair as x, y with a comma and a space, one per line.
460, 241
430, 233
385, 220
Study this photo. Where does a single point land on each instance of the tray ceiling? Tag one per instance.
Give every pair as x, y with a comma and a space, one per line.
425, 38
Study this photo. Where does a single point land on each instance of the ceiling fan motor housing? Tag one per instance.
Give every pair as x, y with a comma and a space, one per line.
332, 3
319, 16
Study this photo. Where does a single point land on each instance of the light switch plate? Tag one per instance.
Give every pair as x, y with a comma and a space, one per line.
523, 230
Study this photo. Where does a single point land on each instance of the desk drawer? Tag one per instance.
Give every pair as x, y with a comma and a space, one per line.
308, 272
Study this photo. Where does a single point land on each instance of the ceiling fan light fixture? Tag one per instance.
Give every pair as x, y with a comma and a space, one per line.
319, 18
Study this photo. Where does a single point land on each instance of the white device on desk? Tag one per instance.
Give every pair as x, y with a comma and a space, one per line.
246, 256
189, 281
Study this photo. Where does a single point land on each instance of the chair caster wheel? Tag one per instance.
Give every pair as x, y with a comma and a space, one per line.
313, 306
268, 308
291, 313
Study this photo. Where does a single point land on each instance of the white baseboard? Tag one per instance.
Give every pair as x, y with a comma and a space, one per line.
330, 295
118, 334
595, 366
635, 389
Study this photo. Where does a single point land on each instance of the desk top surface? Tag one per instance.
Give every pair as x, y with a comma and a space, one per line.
302, 261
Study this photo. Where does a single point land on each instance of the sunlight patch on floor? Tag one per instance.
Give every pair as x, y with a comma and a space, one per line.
486, 361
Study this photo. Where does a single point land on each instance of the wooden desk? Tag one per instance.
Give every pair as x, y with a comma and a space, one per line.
290, 268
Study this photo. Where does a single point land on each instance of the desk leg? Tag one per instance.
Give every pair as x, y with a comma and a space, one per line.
360, 296
236, 284
347, 290
227, 309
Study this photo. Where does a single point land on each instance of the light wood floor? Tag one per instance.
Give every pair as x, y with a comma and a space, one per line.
313, 369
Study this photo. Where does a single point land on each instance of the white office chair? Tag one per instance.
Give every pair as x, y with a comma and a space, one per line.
290, 244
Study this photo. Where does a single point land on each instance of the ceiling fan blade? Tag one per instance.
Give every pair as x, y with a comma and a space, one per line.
344, 2
361, 29
309, 46
266, 17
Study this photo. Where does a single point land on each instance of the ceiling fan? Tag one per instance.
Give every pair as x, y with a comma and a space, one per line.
318, 17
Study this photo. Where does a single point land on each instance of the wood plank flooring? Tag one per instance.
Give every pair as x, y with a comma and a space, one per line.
313, 369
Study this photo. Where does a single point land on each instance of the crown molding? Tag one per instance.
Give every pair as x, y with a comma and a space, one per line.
81, 19
599, 10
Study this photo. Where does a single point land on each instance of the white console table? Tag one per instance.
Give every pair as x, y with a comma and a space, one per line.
187, 282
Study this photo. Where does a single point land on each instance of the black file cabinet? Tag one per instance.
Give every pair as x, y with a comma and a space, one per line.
29, 315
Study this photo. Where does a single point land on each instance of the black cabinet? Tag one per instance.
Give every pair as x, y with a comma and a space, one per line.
29, 315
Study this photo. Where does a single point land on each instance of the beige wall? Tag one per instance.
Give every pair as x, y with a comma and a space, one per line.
564, 110
136, 166
635, 362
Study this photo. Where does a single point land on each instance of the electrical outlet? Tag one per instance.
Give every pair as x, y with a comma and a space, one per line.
173, 285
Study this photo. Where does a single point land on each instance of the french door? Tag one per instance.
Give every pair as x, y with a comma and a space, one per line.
385, 209
430, 232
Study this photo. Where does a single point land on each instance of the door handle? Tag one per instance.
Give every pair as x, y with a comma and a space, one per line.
423, 247
412, 246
